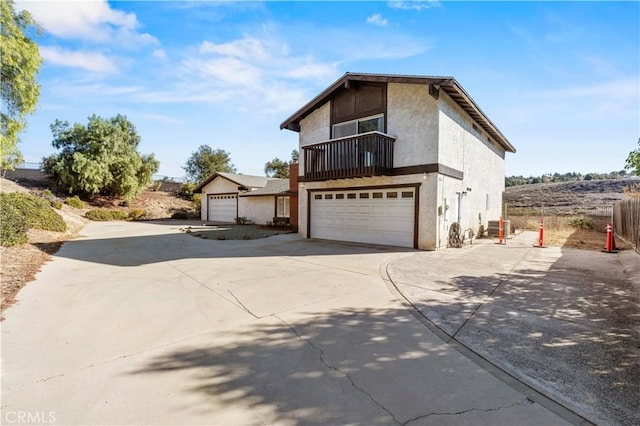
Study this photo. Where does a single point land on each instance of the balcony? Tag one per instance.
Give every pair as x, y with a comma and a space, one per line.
366, 154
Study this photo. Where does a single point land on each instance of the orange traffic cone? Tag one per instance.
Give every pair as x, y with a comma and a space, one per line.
541, 235
610, 246
501, 231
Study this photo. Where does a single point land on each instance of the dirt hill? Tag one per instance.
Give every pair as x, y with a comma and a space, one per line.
565, 196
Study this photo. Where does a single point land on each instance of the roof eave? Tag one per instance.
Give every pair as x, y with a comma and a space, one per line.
198, 188
474, 111
293, 122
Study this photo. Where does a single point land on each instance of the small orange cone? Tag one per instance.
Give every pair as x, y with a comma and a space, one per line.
541, 234
610, 245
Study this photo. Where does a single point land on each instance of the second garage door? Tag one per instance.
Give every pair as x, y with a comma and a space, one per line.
377, 216
222, 208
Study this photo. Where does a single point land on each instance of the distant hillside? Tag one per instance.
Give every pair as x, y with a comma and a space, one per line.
583, 193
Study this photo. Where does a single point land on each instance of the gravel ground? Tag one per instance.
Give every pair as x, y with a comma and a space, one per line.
234, 232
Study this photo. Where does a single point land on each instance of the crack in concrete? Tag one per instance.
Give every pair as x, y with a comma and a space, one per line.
242, 305
331, 367
526, 401
217, 293
493, 368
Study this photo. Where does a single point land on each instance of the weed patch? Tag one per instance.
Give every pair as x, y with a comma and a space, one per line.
74, 202
137, 214
103, 215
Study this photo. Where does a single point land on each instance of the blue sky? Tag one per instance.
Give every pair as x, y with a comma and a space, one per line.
561, 80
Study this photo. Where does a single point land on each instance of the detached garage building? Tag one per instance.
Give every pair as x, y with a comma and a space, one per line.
227, 196
396, 160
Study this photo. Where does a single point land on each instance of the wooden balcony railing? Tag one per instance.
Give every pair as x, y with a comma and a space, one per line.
367, 154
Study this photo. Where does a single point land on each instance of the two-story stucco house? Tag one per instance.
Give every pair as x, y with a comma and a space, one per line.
396, 160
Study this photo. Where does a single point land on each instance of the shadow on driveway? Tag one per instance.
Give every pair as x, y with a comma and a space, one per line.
353, 366
564, 321
155, 247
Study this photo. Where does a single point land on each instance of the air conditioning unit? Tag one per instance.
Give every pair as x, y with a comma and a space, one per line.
494, 228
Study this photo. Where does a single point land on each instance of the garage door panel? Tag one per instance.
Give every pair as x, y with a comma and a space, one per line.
222, 208
386, 219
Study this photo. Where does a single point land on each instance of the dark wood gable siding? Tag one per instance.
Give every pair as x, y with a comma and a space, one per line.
357, 101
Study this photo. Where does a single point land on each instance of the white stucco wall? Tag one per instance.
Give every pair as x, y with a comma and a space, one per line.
219, 185
412, 117
482, 162
314, 128
259, 209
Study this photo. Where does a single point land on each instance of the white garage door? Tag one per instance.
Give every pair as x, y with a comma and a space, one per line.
376, 216
222, 208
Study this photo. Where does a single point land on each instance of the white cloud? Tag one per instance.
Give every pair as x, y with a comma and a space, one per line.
93, 20
90, 61
159, 54
377, 19
577, 105
249, 48
255, 71
226, 70
89, 88
414, 4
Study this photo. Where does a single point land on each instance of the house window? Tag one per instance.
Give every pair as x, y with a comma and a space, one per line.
328, 196
392, 194
377, 195
282, 206
339, 196
351, 196
361, 125
318, 196
407, 194
364, 195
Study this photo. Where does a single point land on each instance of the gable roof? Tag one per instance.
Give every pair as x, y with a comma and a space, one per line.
448, 84
274, 186
248, 181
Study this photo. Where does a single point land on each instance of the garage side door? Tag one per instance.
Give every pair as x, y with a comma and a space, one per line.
222, 207
380, 216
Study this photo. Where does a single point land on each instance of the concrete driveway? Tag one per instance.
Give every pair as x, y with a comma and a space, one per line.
137, 323
565, 321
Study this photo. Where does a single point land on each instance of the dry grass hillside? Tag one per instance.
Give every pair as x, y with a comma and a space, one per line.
19, 264
575, 213
568, 196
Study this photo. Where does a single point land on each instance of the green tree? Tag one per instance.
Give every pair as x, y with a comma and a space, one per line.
99, 158
633, 160
19, 90
205, 161
277, 168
